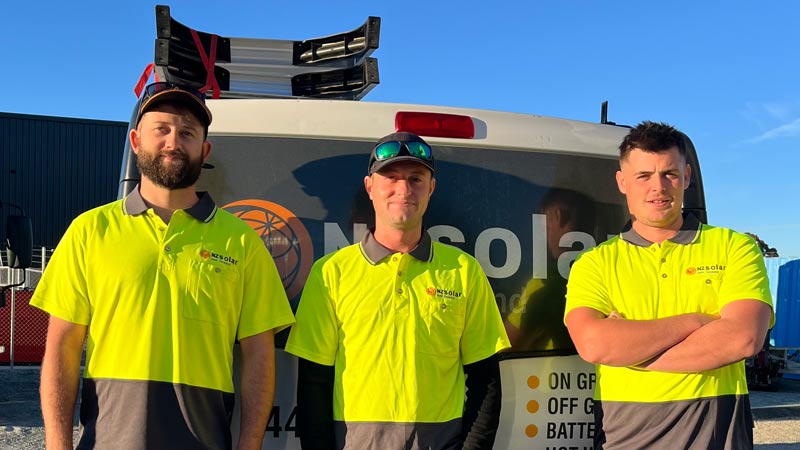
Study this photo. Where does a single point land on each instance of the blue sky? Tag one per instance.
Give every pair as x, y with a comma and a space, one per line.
725, 72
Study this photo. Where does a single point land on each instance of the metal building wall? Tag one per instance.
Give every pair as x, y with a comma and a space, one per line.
55, 168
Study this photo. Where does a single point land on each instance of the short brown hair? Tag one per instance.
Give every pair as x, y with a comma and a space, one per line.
654, 137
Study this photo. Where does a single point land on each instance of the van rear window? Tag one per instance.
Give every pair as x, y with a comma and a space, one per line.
525, 215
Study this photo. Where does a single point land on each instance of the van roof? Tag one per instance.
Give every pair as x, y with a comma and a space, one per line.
368, 121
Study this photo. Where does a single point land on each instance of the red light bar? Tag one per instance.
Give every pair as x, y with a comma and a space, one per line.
435, 124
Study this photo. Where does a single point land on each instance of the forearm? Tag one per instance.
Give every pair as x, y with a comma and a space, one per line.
58, 389
723, 342
257, 388
622, 343
482, 409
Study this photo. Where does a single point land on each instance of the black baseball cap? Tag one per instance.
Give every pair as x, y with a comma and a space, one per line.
400, 146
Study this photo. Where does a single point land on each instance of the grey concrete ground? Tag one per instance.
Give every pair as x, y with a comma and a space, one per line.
777, 417
777, 414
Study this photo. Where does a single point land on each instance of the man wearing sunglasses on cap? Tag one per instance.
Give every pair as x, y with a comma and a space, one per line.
388, 328
160, 284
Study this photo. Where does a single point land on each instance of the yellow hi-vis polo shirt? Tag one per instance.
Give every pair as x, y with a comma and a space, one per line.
701, 269
398, 328
164, 304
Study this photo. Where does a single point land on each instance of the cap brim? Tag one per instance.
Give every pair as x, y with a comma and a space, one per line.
379, 165
198, 108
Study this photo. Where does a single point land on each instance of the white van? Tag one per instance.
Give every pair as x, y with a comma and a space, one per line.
524, 194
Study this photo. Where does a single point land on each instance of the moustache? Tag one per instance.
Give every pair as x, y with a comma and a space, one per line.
174, 154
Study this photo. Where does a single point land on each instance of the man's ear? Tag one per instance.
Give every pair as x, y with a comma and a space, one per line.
687, 176
134, 139
433, 186
621, 182
368, 185
557, 215
206, 150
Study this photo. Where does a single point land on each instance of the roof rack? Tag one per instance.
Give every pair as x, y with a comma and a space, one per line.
336, 66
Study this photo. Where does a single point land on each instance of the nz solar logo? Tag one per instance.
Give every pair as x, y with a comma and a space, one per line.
285, 237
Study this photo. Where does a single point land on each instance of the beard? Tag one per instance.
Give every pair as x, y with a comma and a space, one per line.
181, 172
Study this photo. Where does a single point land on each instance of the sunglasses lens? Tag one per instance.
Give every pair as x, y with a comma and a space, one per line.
387, 150
161, 86
419, 150
155, 88
392, 148
194, 92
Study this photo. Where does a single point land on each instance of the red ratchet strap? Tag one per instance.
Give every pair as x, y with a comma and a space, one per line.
143, 79
208, 61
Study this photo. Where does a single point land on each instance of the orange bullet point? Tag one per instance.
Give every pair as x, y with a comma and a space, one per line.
533, 406
531, 431
533, 382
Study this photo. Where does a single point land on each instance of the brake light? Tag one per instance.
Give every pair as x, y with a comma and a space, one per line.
435, 124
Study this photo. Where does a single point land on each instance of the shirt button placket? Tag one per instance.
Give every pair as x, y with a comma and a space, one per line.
167, 259
667, 290
400, 289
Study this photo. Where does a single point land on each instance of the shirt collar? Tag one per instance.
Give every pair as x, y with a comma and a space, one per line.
374, 251
688, 233
203, 210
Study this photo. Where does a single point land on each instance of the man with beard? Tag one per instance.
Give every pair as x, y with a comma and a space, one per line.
160, 285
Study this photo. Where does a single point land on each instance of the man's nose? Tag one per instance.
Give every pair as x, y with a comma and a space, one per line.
171, 141
660, 183
402, 186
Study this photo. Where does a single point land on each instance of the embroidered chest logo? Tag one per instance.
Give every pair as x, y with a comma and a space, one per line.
443, 293
224, 259
705, 270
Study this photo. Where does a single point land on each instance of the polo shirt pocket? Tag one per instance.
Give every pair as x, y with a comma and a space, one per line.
701, 293
440, 328
211, 288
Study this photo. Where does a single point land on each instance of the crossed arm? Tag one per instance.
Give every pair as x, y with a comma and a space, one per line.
683, 343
